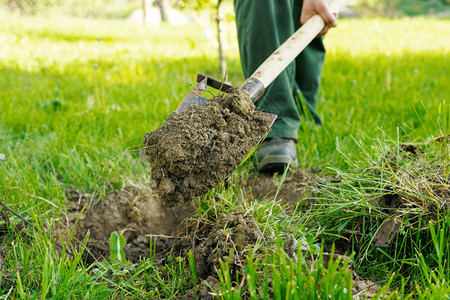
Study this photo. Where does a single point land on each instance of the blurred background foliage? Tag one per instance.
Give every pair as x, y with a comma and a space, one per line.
123, 9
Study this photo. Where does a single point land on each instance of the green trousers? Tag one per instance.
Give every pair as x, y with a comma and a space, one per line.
262, 26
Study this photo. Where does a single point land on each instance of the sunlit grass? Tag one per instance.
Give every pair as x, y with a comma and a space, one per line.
390, 37
381, 77
77, 96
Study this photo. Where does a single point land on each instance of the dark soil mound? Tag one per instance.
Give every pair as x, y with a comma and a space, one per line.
196, 149
133, 212
226, 239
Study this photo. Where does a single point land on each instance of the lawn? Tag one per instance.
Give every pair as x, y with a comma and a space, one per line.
78, 96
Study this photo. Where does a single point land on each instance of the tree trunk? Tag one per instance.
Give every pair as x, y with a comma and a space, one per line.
163, 6
144, 12
221, 40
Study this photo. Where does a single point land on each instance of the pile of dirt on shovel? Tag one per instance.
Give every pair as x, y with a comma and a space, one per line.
198, 148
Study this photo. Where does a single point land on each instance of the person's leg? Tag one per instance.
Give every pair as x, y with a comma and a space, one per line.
262, 26
309, 65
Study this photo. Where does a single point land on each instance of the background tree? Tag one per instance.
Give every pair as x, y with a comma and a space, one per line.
216, 5
221, 39
163, 6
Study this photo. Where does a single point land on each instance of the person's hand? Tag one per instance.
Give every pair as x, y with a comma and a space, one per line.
319, 7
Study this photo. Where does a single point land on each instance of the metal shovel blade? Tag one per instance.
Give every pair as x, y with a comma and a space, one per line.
194, 96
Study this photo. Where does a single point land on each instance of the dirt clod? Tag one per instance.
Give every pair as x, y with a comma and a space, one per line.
226, 239
197, 148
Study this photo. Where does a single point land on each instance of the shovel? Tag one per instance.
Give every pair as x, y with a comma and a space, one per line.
269, 69
182, 175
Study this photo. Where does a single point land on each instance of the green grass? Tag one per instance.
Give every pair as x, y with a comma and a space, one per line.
76, 98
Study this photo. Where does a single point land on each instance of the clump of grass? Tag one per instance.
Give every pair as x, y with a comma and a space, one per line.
307, 276
399, 196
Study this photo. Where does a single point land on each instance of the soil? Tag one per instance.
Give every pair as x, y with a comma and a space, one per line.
226, 239
295, 187
198, 148
134, 212
137, 213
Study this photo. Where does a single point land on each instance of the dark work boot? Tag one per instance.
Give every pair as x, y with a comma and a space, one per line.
275, 154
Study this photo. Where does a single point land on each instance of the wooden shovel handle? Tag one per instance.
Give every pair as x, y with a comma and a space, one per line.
289, 50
